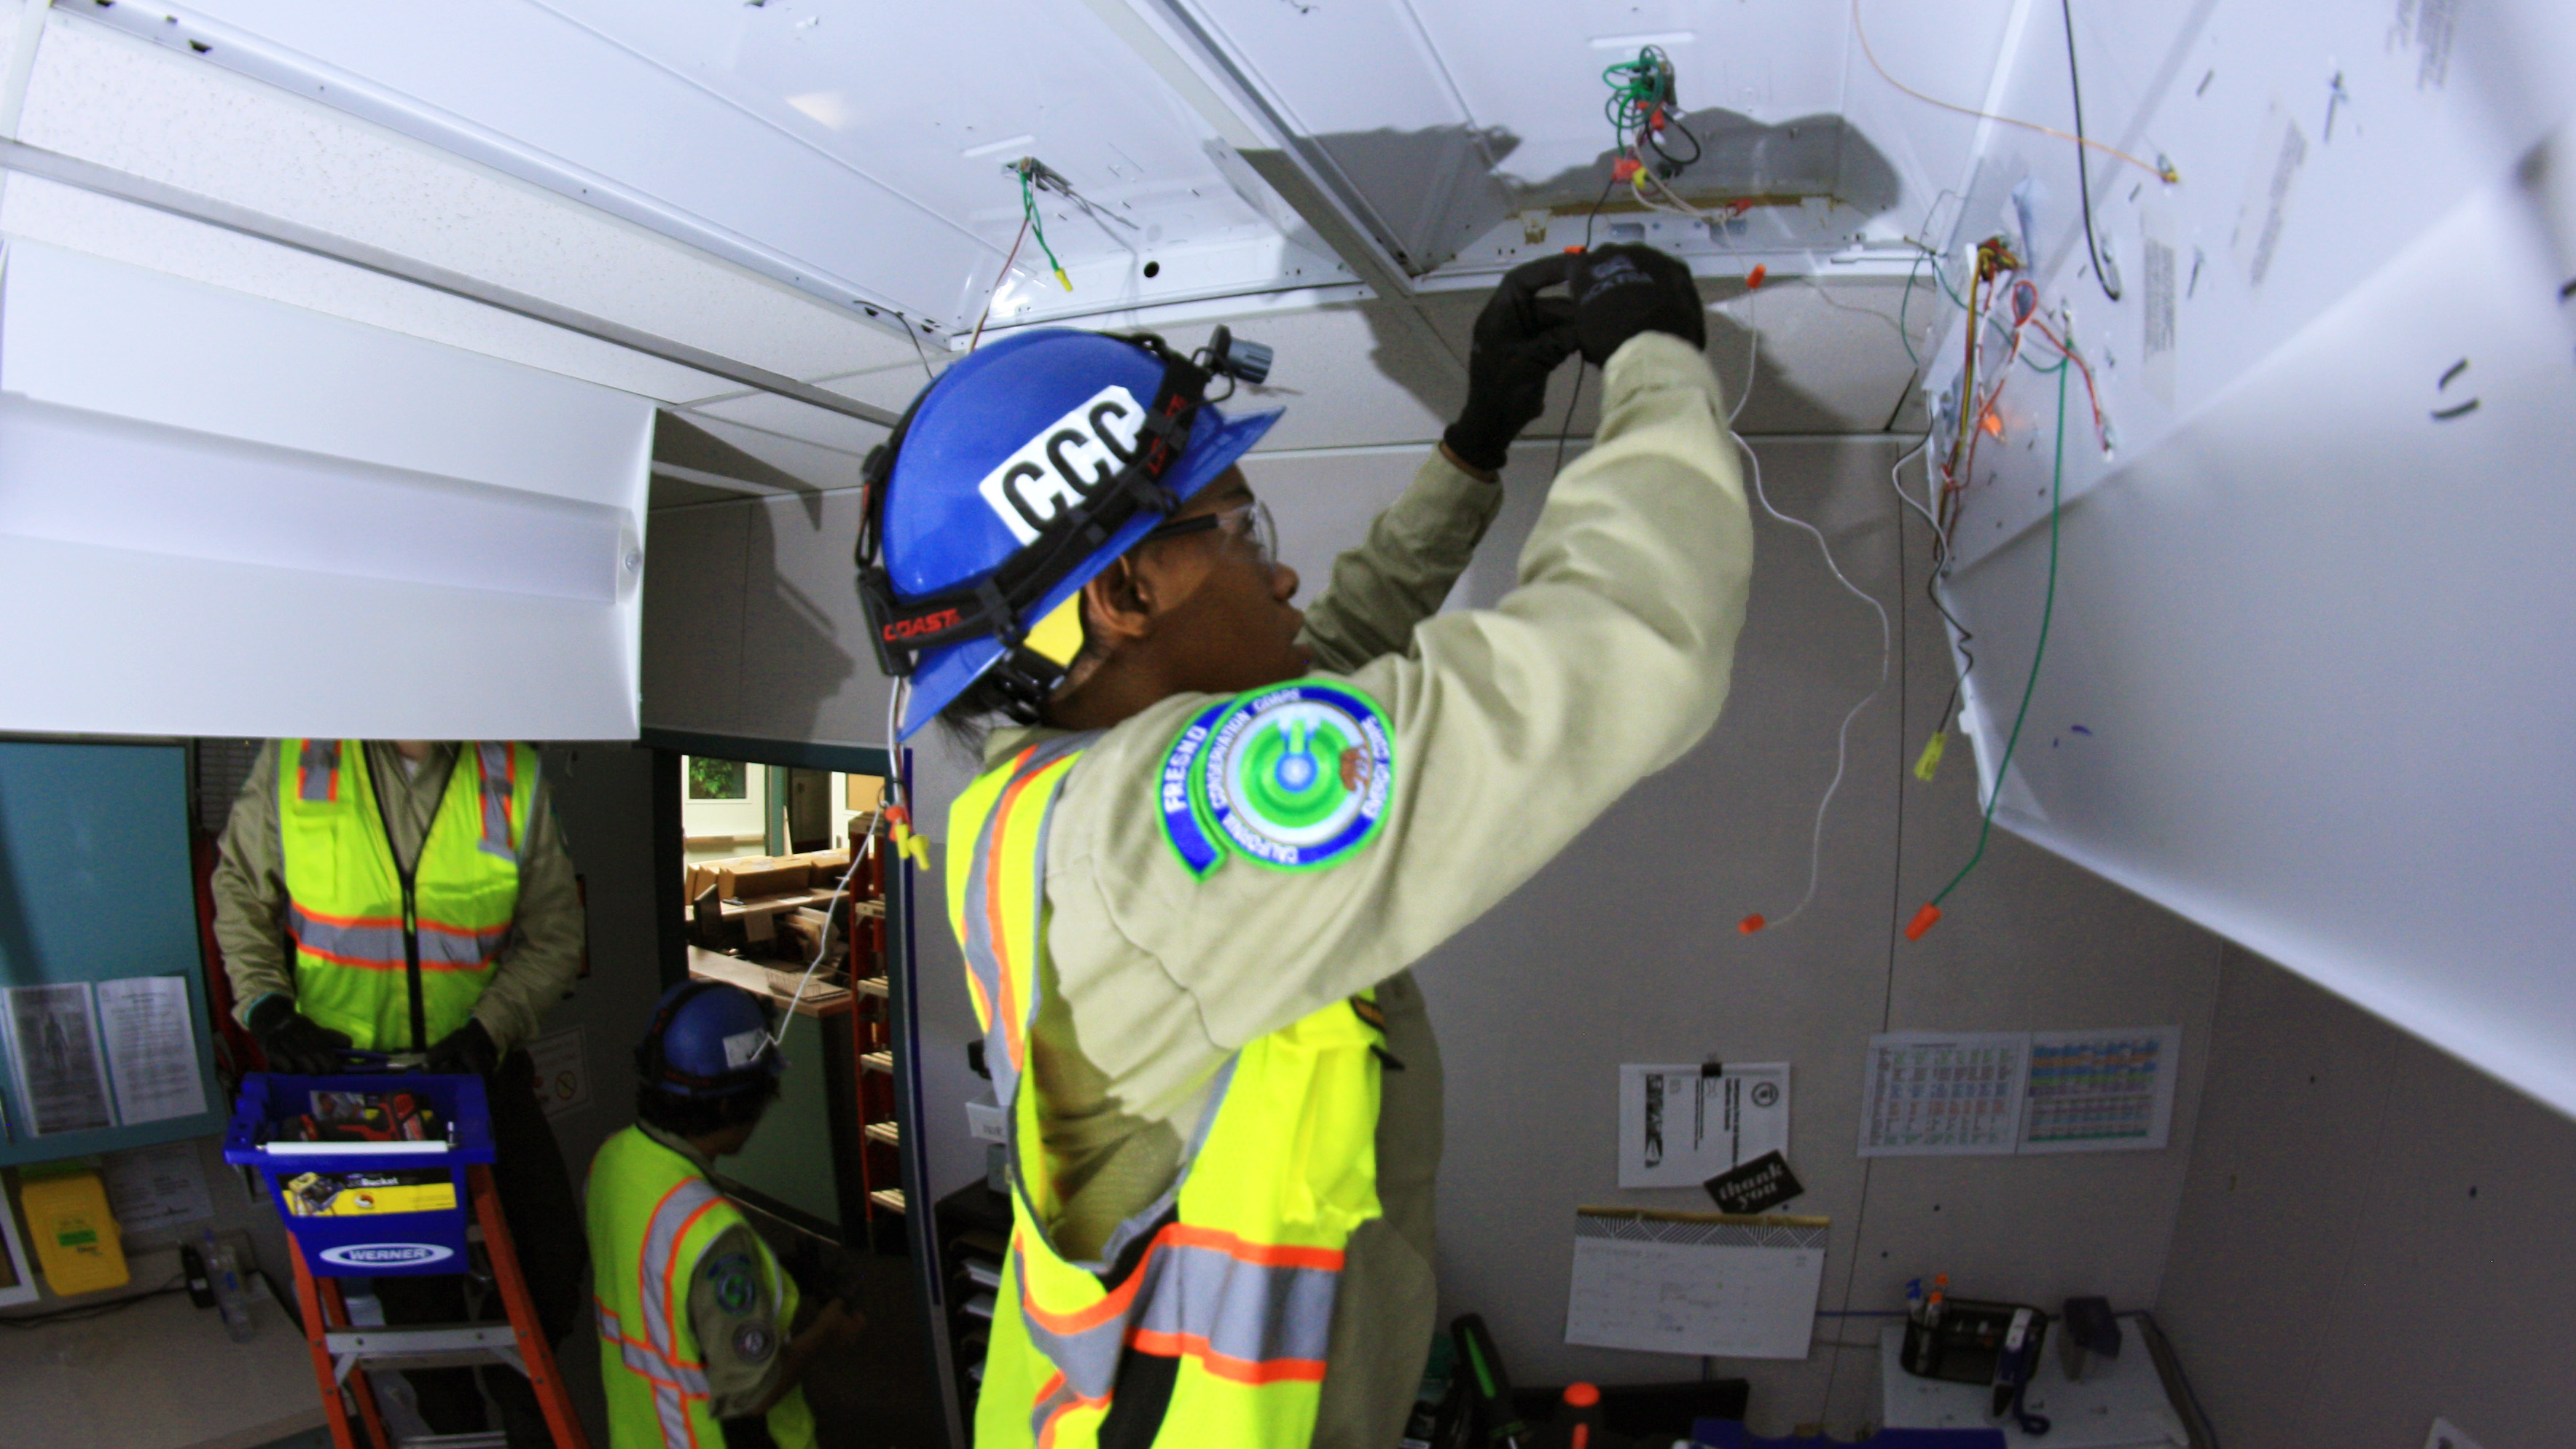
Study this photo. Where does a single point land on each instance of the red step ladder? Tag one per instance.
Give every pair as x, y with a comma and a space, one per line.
343, 1351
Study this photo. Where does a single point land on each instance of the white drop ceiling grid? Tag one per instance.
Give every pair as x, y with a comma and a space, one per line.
757, 132
164, 114
99, 96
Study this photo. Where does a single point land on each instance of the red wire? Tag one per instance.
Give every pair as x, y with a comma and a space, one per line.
998, 281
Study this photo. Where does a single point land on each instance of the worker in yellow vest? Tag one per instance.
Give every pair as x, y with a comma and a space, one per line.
1212, 832
414, 898
698, 1344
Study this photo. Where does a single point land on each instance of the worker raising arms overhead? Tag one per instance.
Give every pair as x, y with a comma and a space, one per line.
1212, 833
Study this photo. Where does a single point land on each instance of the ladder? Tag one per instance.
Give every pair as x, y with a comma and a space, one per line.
343, 1352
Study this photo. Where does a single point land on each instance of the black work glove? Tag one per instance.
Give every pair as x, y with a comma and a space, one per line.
293, 1042
1620, 291
469, 1048
1520, 338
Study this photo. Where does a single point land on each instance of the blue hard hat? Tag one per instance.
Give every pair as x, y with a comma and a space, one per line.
708, 1039
996, 445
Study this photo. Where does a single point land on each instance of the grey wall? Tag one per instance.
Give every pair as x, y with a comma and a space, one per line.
1626, 950
604, 801
752, 623
2372, 1234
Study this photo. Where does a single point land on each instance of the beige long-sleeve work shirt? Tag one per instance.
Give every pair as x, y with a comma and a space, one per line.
538, 963
1514, 728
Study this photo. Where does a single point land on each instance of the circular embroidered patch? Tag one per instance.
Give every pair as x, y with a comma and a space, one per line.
735, 1287
1296, 778
752, 1342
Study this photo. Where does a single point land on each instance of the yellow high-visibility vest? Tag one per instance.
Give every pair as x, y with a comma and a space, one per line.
652, 1216
398, 962
1210, 1311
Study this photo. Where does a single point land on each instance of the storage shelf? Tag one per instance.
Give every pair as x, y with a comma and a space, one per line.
878, 1061
886, 1132
889, 1198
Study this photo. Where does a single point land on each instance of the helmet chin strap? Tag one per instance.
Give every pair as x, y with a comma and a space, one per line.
1035, 665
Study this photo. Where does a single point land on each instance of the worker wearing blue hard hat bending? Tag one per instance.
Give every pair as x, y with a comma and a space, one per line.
698, 1341
1212, 833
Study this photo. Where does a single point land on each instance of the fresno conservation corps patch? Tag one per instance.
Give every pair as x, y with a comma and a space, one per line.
1295, 778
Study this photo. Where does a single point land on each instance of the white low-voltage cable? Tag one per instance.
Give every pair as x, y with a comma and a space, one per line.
1886, 642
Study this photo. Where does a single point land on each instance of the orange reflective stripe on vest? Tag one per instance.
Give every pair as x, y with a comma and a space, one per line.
651, 1218
396, 957
1231, 1274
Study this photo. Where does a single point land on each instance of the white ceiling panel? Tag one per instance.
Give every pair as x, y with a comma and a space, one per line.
758, 133
99, 96
38, 210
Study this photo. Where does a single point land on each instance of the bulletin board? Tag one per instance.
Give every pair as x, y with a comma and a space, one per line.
96, 891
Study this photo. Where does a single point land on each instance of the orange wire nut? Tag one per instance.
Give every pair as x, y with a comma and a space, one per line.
1753, 279
1924, 920
1751, 923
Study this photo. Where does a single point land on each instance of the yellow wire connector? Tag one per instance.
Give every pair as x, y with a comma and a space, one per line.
907, 845
1929, 763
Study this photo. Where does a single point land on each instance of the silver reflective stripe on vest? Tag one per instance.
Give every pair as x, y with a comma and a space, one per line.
1248, 1320
983, 954
671, 1219
317, 772
377, 942
674, 1384
689, 1378
499, 774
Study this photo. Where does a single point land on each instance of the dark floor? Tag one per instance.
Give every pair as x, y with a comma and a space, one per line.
883, 1391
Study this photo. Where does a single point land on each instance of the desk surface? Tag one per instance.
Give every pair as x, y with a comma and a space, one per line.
2120, 1405
159, 1375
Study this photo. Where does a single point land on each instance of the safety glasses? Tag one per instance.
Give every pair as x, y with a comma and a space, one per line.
1244, 523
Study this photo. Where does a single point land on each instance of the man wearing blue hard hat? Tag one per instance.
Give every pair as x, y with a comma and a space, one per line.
697, 1339
1213, 832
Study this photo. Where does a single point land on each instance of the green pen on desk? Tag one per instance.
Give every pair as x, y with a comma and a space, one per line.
1491, 1386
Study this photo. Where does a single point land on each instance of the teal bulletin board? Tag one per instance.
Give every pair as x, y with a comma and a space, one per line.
96, 887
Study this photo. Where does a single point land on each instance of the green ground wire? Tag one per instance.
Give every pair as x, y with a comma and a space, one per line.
1636, 86
1037, 226
2047, 609
1902, 303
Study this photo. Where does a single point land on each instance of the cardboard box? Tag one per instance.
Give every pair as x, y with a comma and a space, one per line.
829, 867
862, 791
742, 880
804, 927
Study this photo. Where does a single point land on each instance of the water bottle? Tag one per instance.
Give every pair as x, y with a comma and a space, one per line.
232, 1292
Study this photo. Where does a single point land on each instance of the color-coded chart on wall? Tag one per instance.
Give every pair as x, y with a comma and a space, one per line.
1933, 1094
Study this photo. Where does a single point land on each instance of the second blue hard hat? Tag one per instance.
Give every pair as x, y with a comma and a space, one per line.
708, 1039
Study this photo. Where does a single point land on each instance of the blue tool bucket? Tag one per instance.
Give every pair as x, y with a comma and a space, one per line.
375, 1245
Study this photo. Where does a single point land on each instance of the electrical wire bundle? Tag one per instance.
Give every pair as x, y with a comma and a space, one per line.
1642, 110
1035, 176
2002, 299
1644, 117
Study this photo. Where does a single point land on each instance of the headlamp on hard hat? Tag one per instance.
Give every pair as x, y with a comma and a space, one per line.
1063, 495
